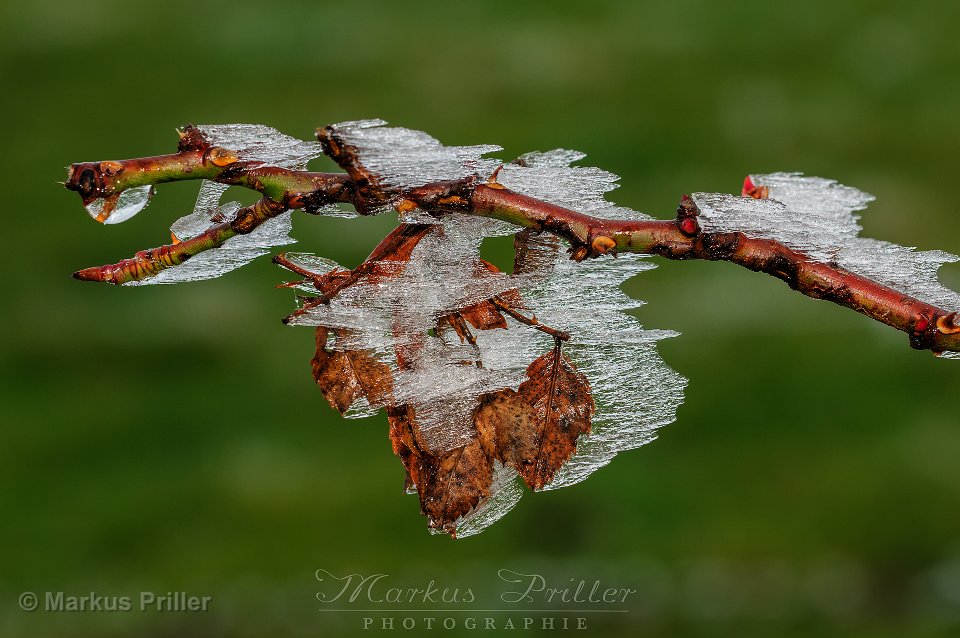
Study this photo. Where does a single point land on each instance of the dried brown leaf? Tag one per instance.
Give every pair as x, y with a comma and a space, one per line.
485, 315
535, 428
453, 483
450, 484
345, 376
534, 252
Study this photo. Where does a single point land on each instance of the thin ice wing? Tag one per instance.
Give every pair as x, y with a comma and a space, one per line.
381, 313
444, 377
206, 212
237, 251
405, 158
550, 177
818, 217
505, 492
259, 143
635, 392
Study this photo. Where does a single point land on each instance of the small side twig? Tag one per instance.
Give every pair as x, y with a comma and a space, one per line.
503, 306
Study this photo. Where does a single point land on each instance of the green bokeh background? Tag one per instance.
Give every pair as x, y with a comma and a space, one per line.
171, 439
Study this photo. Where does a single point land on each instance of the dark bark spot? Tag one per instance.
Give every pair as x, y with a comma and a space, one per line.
718, 246
784, 268
922, 340
87, 183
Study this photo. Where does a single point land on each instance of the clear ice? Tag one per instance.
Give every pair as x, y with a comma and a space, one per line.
394, 313
251, 142
237, 251
405, 158
129, 203
635, 391
259, 143
818, 216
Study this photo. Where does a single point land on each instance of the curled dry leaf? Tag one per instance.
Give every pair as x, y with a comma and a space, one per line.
346, 376
450, 484
535, 428
485, 315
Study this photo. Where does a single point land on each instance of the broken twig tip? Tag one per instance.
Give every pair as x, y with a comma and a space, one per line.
89, 274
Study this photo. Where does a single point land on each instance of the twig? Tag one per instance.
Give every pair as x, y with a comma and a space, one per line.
503, 306
928, 326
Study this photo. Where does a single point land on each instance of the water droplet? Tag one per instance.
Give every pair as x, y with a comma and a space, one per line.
120, 207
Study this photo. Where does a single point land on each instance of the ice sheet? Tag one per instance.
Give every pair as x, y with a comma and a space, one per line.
259, 143
234, 253
818, 216
636, 393
402, 157
550, 177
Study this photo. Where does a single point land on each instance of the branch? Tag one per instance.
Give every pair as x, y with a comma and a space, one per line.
148, 263
928, 326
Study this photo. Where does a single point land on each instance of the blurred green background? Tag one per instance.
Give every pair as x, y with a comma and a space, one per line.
170, 438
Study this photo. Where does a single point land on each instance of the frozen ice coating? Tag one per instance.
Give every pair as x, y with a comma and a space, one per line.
811, 214
208, 199
817, 216
380, 314
259, 143
235, 252
206, 213
635, 391
127, 204
505, 492
550, 177
905, 269
402, 157
312, 263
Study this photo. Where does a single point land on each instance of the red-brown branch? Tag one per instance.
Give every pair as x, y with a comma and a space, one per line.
928, 326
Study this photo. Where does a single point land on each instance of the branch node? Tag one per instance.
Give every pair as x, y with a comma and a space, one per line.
687, 213
192, 139
752, 190
602, 244
492, 180
405, 206
947, 325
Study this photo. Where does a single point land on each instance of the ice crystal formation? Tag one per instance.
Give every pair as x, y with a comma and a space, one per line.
494, 380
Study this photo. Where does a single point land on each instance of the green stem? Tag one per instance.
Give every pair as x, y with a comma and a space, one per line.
928, 326
148, 263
